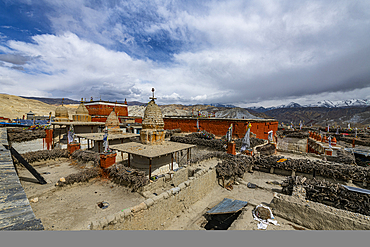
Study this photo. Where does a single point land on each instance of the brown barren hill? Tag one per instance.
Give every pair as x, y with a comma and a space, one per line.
15, 107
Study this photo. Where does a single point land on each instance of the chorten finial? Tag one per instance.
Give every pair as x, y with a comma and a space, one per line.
62, 101
152, 98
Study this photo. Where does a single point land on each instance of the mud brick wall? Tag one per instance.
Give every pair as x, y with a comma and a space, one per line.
105, 110
292, 144
219, 127
317, 216
156, 211
179, 177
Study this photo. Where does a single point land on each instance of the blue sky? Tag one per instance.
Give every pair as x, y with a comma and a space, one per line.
246, 53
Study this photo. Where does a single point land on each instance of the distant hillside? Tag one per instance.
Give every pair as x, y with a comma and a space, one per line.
16, 107
53, 101
359, 116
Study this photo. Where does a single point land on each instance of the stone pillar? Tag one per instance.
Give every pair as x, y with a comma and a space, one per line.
329, 152
107, 159
231, 148
71, 147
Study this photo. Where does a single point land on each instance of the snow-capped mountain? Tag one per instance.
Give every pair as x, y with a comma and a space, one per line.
324, 103
340, 103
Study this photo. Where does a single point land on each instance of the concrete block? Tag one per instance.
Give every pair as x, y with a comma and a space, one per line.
175, 190
157, 198
147, 194
127, 212
103, 223
149, 202
94, 225
165, 195
182, 186
121, 217
139, 207
111, 218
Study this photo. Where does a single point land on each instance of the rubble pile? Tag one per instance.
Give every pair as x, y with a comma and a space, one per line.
19, 134
79, 177
253, 141
321, 168
343, 157
85, 156
294, 134
169, 133
203, 135
266, 149
358, 141
43, 155
233, 166
331, 194
127, 176
214, 144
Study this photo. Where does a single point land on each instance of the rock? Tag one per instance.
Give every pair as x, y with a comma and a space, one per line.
36, 199
62, 179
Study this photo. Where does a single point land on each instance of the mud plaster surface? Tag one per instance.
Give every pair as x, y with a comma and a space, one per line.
73, 207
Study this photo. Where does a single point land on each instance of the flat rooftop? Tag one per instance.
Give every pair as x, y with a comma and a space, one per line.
78, 123
151, 151
99, 136
222, 119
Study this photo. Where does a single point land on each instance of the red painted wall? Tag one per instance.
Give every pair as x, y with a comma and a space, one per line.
105, 110
219, 127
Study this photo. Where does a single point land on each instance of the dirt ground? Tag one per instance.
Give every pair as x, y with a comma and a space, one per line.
193, 218
73, 207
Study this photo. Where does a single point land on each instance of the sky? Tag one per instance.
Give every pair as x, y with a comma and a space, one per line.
239, 52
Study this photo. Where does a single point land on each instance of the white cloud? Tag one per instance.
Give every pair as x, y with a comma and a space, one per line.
228, 52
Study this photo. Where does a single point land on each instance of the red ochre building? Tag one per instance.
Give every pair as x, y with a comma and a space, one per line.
100, 110
219, 126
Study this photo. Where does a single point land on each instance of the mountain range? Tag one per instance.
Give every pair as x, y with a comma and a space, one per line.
354, 111
324, 103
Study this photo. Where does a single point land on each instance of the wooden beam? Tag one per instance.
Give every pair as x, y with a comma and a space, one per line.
150, 168
52, 142
171, 161
26, 164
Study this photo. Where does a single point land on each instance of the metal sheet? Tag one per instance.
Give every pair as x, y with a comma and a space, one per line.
227, 206
359, 190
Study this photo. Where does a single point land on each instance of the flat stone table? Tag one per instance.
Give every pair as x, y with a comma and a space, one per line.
152, 151
112, 139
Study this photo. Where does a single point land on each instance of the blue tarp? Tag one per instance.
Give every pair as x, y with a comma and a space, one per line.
359, 190
227, 206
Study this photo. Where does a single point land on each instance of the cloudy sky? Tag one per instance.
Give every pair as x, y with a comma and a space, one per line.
246, 53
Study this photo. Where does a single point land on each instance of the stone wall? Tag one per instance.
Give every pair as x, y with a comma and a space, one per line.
155, 211
317, 216
292, 144
219, 126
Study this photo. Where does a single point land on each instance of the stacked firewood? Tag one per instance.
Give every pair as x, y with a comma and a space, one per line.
214, 144
21, 135
84, 156
325, 169
43, 155
330, 194
127, 176
82, 176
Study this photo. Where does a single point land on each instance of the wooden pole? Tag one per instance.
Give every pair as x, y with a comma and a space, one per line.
128, 161
26, 164
171, 161
52, 137
150, 168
